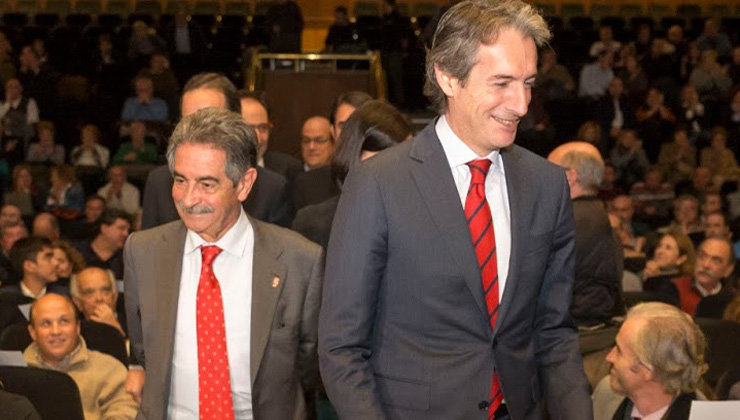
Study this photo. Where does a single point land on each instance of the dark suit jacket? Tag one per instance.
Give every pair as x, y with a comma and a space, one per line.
404, 330
314, 221
285, 165
283, 325
313, 187
679, 409
268, 200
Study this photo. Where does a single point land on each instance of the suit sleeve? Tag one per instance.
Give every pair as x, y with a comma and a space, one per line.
307, 358
355, 264
149, 217
556, 341
133, 315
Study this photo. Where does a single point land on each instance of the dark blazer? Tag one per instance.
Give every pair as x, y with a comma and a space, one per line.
284, 164
313, 187
284, 316
268, 200
404, 330
314, 221
679, 409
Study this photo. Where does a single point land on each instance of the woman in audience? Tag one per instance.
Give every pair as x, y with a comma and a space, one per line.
45, 151
69, 261
677, 159
718, 158
24, 194
374, 126
673, 258
89, 153
66, 198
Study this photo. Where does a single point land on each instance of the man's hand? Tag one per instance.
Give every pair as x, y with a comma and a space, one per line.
135, 383
104, 314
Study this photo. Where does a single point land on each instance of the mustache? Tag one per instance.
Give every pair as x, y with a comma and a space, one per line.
195, 209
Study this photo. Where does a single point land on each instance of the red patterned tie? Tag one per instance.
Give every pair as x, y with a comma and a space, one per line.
214, 385
480, 224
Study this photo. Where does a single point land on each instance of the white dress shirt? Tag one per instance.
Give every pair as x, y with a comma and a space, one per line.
32, 110
458, 155
129, 201
233, 269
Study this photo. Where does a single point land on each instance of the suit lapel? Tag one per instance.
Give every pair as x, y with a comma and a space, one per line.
167, 273
433, 178
517, 188
266, 267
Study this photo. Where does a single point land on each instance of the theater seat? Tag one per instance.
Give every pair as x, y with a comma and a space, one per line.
35, 384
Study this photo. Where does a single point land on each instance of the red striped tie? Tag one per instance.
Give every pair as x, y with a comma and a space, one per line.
480, 223
214, 384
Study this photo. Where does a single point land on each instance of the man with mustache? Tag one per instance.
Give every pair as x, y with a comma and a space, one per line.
222, 308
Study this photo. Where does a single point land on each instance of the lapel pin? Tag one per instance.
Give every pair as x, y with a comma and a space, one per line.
275, 282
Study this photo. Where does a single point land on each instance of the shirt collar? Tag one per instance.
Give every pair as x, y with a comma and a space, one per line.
233, 242
656, 415
28, 293
458, 153
704, 292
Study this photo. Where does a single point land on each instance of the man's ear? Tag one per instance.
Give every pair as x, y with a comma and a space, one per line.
31, 331
572, 177
246, 183
447, 83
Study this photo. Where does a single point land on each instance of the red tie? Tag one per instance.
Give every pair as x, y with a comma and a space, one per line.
214, 385
480, 224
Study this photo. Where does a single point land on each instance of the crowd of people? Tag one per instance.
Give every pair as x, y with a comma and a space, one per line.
650, 166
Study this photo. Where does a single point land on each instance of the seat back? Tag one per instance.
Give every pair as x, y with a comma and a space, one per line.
35, 384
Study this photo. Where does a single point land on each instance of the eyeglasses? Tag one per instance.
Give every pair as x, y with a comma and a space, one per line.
262, 128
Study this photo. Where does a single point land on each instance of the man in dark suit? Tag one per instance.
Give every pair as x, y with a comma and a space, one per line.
239, 339
269, 199
411, 325
657, 363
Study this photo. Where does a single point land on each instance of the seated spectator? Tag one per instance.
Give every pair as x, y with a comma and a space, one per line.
718, 158
659, 64
58, 345
595, 77
554, 78
685, 217
33, 259
16, 406
39, 80
613, 112
137, 150
317, 144
45, 150
631, 233
90, 153
105, 250
18, 112
69, 261
85, 226
9, 214
711, 202
590, 132
692, 114
599, 257
119, 193
66, 196
635, 81
710, 78
673, 257
143, 42
655, 121
716, 226
609, 187
24, 194
657, 364
606, 42
10, 233
629, 159
677, 159
163, 80
46, 225
95, 293
144, 106
712, 39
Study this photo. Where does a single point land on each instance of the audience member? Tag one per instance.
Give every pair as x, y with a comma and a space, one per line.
119, 193
672, 262
685, 216
629, 158
57, 345
163, 80
656, 364
317, 145
10, 233
144, 106
18, 112
613, 112
710, 78
343, 107
343, 35
38, 79
554, 78
606, 42
716, 226
10, 214
655, 121
692, 113
142, 43
635, 81
24, 194
595, 77
69, 261
677, 159
631, 232
65, 194
45, 151
712, 39
95, 293
720, 160
137, 150
599, 258
187, 44
90, 153
105, 250
46, 225
33, 259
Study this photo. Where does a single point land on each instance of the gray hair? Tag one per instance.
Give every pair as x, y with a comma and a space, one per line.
590, 168
670, 344
222, 129
74, 287
467, 26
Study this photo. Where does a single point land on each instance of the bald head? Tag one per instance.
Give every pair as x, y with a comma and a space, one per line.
317, 146
584, 166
